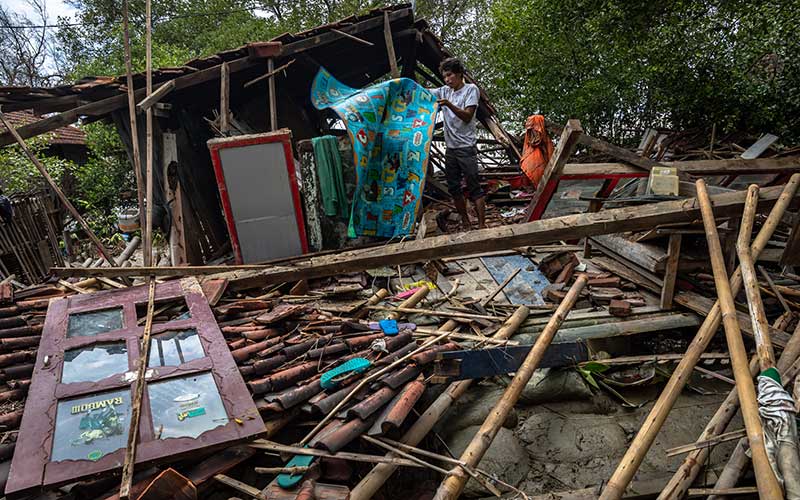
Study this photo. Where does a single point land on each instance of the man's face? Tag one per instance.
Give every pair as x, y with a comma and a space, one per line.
453, 80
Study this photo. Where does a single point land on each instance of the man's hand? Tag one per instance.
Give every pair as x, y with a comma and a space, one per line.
464, 114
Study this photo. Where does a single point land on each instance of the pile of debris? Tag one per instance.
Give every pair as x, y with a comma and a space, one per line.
353, 370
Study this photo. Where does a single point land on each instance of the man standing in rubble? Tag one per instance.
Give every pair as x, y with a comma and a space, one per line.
458, 101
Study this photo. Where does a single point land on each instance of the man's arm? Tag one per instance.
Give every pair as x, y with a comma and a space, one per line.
468, 112
465, 114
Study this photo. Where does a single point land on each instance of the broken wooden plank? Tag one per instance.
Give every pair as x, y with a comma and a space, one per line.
408, 252
649, 256
671, 270
387, 35
148, 102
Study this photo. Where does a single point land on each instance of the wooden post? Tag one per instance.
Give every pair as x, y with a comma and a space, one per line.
549, 181
137, 159
273, 101
683, 478
57, 190
453, 485
652, 424
375, 478
387, 35
671, 270
768, 486
224, 97
177, 236
766, 355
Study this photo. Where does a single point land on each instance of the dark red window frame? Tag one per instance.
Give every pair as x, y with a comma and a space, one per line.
31, 467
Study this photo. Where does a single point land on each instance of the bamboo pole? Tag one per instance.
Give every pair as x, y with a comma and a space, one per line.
737, 463
362, 311
441, 314
410, 302
138, 394
652, 424
453, 485
138, 388
766, 355
137, 159
375, 478
688, 471
148, 234
768, 486
263, 444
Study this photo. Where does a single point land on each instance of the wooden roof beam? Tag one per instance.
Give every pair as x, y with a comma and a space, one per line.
505, 237
693, 167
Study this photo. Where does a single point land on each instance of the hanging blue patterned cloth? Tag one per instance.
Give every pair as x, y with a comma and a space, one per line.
391, 127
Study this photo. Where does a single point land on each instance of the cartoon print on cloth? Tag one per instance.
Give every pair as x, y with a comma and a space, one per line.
391, 127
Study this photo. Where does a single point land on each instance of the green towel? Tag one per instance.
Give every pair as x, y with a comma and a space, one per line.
772, 373
329, 173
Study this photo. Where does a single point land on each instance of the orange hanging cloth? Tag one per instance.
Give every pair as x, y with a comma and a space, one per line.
537, 150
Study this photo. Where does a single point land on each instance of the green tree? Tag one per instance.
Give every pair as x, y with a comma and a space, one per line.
621, 66
18, 175
104, 180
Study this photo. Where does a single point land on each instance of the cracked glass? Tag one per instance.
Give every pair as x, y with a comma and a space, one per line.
175, 348
94, 362
91, 323
186, 406
90, 427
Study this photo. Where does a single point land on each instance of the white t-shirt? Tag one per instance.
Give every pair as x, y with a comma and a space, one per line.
457, 133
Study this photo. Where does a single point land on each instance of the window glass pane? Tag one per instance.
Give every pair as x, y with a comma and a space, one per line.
186, 406
94, 322
95, 362
175, 348
164, 311
90, 427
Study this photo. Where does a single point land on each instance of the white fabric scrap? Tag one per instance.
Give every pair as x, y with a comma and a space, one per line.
777, 410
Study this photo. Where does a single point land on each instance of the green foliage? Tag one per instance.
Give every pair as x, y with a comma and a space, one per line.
620, 65
17, 173
102, 179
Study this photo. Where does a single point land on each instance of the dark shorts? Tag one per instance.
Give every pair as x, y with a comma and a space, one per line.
462, 163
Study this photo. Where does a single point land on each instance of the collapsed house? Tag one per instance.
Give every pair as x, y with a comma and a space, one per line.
189, 112
570, 350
